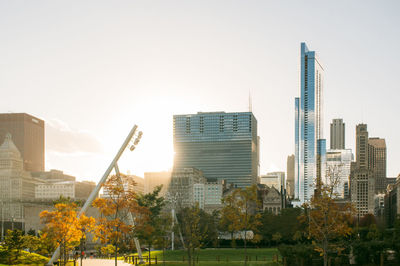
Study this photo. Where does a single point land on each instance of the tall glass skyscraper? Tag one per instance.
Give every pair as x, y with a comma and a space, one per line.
309, 143
225, 146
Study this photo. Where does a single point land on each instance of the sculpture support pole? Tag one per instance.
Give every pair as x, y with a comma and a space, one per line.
96, 190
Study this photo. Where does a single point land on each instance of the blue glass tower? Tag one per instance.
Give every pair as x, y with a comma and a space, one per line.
308, 125
224, 146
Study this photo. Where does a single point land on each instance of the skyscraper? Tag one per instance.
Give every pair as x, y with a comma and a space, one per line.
338, 162
28, 135
362, 183
337, 134
224, 146
308, 125
377, 162
290, 175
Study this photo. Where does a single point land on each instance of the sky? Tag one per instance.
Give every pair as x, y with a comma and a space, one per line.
93, 69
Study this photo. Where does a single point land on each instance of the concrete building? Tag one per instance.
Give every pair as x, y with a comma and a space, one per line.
48, 189
337, 134
28, 136
274, 179
290, 176
392, 203
338, 166
225, 146
377, 162
83, 189
153, 179
53, 175
272, 200
362, 183
139, 187
308, 126
16, 184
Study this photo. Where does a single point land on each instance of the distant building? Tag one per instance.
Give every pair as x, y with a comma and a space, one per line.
362, 183
225, 146
392, 203
28, 135
153, 179
16, 184
308, 126
377, 162
274, 179
337, 134
84, 189
290, 176
137, 185
271, 199
338, 163
189, 186
379, 205
53, 175
50, 189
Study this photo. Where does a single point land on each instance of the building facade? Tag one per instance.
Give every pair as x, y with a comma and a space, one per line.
337, 134
290, 176
377, 162
225, 146
16, 184
362, 183
153, 179
308, 125
28, 136
274, 179
338, 164
54, 190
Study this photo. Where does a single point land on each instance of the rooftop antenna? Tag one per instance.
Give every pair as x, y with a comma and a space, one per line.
250, 104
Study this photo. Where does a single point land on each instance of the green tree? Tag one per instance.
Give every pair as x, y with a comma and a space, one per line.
13, 245
153, 229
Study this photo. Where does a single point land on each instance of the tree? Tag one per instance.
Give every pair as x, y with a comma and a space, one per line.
239, 213
13, 245
63, 227
152, 230
117, 208
326, 219
193, 231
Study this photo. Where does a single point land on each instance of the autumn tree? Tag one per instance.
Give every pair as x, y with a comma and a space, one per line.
194, 232
120, 211
12, 247
326, 219
62, 227
239, 213
153, 229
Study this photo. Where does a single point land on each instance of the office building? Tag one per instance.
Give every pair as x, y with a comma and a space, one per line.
392, 203
84, 189
337, 134
377, 162
290, 176
274, 179
338, 164
362, 183
153, 179
28, 135
16, 184
224, 146
53, 175
49, 189
308, 126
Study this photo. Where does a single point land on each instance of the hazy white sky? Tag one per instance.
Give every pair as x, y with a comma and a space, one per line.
92, 69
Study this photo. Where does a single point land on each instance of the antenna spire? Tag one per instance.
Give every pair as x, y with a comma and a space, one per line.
250, 104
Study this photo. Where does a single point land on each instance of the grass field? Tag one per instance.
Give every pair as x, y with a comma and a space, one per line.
222, 257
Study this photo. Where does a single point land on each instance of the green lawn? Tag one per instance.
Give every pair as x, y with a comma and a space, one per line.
262, 256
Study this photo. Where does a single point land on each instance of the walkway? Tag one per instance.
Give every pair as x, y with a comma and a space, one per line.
101, 262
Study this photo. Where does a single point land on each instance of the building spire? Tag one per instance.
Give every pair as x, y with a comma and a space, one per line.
250, 104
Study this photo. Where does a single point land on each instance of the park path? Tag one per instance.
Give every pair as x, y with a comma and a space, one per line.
101, 262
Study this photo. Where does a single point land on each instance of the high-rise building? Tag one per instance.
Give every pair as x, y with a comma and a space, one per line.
274, 179
28, 135
153, 179
338, 163
377, 162
337, 134
290, 176
308, 126
362, 183
225, 146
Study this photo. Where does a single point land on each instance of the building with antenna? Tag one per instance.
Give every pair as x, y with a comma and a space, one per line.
224, 146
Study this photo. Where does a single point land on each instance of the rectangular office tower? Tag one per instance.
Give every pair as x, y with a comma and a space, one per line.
337, 134
309, 143
27, 132
225, 146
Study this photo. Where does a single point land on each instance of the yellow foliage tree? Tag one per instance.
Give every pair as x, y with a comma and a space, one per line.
115, 208
63, 227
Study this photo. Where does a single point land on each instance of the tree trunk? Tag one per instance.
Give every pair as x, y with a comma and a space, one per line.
325, 247
149, 253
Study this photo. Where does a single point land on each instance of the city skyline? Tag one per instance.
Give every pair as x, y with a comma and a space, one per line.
92, 73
